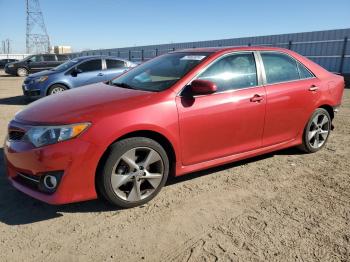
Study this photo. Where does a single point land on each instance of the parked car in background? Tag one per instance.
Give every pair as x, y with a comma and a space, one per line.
175, 114
3, 62
74, 73
35, 63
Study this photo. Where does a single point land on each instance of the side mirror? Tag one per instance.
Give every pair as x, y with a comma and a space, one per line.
76, 71
203, 87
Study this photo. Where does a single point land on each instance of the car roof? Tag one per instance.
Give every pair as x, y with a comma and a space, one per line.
230, 49
79, 58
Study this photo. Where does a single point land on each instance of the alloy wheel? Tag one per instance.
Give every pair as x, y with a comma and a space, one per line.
57, 90
318, 130
137, 174
21, 72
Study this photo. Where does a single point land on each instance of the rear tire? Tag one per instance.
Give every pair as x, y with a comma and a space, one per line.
317, 131
134, 172
21, 71
56, 89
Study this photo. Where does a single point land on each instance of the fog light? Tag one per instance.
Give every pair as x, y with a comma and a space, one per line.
50, 182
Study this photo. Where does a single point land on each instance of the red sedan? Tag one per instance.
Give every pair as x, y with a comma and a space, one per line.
175, 114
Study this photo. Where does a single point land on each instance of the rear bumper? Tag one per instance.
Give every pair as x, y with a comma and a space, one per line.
76, 159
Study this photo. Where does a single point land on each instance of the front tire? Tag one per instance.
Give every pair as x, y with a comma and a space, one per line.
21, 71
317, 131
56, 89
134, 172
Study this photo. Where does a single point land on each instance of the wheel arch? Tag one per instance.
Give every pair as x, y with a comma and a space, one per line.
329, 109
51, 85
156, 136
23, 67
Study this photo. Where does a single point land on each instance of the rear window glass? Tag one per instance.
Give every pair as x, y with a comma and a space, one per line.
111, 63
49, 58
304, 72
92, 65
62, 57
279, 67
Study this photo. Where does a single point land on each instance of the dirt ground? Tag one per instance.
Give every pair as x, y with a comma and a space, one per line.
284, 206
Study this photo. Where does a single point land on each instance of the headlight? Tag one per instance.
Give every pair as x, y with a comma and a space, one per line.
10, 66
46, 135
41, 79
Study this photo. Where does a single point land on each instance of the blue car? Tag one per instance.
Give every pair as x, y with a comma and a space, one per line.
74, 73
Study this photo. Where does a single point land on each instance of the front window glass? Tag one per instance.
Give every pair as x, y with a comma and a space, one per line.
36, 58
232, 72
65, 65
160, 73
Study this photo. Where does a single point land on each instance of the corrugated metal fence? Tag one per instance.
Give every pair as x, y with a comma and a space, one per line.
13, 56
330, 49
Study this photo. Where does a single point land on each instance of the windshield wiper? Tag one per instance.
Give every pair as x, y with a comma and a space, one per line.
123, 85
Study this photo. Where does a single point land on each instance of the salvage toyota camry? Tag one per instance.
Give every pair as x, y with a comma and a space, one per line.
175, 114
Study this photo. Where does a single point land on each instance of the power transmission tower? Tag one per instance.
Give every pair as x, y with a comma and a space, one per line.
6, 46
37, 39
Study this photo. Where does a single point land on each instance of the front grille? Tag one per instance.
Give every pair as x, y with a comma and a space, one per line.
27, 81
31, 92
16, 135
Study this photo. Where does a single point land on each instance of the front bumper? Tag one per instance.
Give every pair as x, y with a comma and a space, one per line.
76, 159
33, 90
10, 70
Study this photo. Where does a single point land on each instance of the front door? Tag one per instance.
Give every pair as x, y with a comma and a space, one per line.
229, 121
90, 72
36, 64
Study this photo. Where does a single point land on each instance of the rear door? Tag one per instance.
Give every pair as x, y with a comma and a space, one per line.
61, 58
291, 91
229, 121
91, 72
114, 67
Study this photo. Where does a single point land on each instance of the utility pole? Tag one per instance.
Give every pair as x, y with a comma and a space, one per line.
37, 38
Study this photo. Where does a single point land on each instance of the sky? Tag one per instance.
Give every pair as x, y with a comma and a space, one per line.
98, 24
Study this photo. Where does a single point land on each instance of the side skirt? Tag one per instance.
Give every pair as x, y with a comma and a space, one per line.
182, 170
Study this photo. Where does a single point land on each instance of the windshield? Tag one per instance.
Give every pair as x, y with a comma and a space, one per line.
26, 58
160, 73
65, 65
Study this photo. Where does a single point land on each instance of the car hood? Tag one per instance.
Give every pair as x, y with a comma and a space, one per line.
87, 103
42, 73
11, 63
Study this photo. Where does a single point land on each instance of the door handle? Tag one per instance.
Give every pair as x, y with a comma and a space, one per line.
313, 88
256, 98
99, 74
